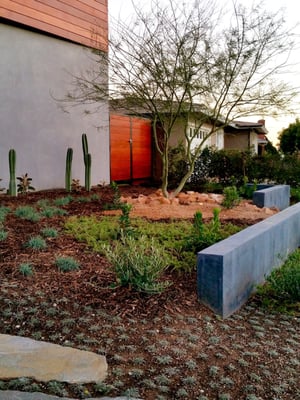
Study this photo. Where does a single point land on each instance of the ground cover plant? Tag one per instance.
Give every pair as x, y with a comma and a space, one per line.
158, 346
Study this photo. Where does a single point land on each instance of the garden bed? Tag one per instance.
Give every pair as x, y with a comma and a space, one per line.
160, 347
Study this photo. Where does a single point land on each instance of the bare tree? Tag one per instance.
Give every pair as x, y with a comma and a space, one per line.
177, 61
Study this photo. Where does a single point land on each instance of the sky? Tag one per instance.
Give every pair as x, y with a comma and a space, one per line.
291, 10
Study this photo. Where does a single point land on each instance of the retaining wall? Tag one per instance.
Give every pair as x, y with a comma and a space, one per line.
229, 271
275, 196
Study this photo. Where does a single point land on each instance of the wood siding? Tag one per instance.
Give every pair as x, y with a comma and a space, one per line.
81, 21
130, 148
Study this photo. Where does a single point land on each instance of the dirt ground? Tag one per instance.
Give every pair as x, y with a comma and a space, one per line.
162, 347
149, 203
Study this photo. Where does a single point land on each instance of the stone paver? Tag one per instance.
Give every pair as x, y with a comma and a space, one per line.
42, 361
16, 395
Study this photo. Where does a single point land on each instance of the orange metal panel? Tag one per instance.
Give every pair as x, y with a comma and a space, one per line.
130, 148
141, 148
120, 169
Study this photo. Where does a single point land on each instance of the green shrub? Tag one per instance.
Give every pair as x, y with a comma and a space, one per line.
231, 197
3, 235
93, 231
281, 290
3, 213
295, 195
179, 238
138, 263
49, 232
26, 269
51, 211
204, 235
124, 220
66, 264
36, 243
247, 190
28, 213
63, 201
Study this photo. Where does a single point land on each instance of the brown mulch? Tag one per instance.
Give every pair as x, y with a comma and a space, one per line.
134, 330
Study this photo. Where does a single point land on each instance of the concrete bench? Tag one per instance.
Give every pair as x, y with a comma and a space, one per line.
272, 196
229, 271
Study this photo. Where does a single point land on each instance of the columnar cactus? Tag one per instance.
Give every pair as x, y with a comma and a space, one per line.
68, 175
12, 191
87, 158
88, 163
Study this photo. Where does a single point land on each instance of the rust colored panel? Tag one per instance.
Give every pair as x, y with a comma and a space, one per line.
141, 148
84, 22
120, 168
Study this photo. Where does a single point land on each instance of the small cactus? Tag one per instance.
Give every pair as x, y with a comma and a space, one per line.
87, 162
12, 191
68, 175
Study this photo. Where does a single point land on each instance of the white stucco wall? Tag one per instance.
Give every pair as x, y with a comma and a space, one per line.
34, 68
177, 136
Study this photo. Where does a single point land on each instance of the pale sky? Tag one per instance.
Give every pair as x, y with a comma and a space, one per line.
291, 9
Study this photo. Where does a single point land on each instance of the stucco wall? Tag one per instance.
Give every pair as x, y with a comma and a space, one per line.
177, 136
34, 68
241, 141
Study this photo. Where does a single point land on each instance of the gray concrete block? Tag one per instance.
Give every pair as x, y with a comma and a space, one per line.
229, 271
275, 196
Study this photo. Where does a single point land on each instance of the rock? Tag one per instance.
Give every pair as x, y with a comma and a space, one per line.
44, 362
184, 199
164, 200
175, 201
218, 198
141, 199
16, 395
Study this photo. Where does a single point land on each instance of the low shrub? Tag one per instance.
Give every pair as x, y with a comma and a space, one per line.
51, 211
66, 264
231, 197
93, 231
36, 243
26, 269
63, 201
49, 232
138, 263
205, 235
28, 213
247, 190
3, 213
3, 235
282, 287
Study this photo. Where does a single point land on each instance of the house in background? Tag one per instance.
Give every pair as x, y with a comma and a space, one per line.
241, 135
42, 45
133, 153
134, 157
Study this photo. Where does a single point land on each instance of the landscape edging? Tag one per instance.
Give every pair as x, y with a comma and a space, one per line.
229, 271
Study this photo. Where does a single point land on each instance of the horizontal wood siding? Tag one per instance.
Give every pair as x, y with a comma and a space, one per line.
120, 148
141, 148
130, 148
81, 21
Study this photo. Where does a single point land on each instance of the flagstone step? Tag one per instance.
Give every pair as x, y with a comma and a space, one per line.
42, 361
16, 395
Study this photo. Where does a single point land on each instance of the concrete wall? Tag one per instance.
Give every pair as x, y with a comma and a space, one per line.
229, 271
276, 196
34, 68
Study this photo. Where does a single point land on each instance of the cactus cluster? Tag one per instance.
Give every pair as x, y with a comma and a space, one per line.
68, 174
12, 191
87, 158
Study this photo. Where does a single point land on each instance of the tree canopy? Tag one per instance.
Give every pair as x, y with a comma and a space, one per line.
289, 138
180, 59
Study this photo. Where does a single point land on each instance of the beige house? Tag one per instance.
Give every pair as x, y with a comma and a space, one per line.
198, 134
242, 135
